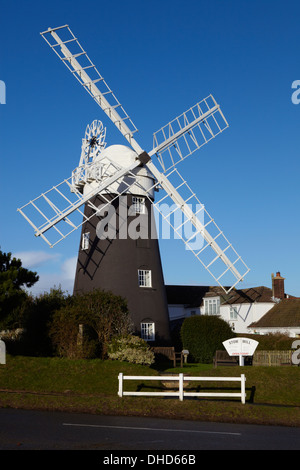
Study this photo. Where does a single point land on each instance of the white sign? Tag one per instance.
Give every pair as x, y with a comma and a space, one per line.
2, 352
240, 346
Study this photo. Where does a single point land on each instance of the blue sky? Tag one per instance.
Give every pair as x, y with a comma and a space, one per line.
160, 58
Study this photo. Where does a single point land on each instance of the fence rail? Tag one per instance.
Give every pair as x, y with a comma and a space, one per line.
181, 393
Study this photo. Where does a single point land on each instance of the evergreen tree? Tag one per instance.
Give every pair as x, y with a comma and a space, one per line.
13, 280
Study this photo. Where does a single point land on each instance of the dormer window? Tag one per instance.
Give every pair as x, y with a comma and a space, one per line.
212, 306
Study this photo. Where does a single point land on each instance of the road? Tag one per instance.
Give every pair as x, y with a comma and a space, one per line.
42, 430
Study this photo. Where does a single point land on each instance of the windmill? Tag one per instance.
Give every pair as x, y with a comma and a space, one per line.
116, 184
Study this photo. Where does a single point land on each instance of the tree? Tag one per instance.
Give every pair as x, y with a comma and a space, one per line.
36, 319
103, 316
13, 280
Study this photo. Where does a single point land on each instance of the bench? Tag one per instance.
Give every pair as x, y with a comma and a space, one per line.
222, 358
169, 352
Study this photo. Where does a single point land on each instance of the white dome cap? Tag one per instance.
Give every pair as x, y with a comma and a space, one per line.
125, 156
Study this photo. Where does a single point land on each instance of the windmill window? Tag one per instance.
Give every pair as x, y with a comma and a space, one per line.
138, 205
144, 276
85, 241
212, 306
148, 331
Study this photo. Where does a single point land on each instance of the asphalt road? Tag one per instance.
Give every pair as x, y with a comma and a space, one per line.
42, 430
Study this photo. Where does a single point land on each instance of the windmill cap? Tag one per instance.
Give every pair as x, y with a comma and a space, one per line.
125, 156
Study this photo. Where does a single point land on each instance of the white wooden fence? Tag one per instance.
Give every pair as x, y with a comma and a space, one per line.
181, 393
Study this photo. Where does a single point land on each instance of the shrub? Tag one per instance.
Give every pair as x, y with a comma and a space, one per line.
103, 316
66, 337
202, 335
271, 341
33, 317
131, 349
36, 320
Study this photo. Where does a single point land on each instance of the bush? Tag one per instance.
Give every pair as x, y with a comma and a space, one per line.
202, 335
36, 320
103, 316
131, 349
67, 338
32, 317
271, 341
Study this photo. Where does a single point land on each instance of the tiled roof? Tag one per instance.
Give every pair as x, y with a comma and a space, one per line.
186, 295
284, 314
250, 295
192, 296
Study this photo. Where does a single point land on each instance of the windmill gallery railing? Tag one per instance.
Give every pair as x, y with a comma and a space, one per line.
181, 393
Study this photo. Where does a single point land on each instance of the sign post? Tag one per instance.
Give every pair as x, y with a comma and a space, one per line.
240, 347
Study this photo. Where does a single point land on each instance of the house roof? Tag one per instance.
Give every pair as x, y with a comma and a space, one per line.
284, 314
250, 295
192, 296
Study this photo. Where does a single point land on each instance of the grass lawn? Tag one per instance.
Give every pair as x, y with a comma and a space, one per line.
91, 386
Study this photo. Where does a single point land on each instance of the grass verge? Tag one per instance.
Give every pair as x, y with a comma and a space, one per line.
90, 386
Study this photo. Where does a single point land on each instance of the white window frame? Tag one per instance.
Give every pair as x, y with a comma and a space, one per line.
233, 313
148, 331
145, 278
138, 204
212, 306
85, 241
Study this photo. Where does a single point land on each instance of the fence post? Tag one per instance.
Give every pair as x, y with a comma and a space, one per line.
243, 389
120, 392
181, 387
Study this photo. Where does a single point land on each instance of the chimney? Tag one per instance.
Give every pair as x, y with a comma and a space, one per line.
278, 286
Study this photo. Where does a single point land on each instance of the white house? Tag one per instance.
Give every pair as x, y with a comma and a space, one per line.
239, 308
284, 318
258, 310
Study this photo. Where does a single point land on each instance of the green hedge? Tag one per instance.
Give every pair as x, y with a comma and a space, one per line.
202, 335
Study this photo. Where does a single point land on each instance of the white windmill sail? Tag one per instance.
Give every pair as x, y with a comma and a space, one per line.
172, 144
182, 210
59, 210
78, 62
188, 132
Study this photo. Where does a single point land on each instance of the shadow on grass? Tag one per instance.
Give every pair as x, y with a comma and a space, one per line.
148, 387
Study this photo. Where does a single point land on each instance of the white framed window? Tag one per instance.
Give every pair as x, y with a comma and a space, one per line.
144, 276
138, 205
148, 331
212, 306
233, 315
85, 241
